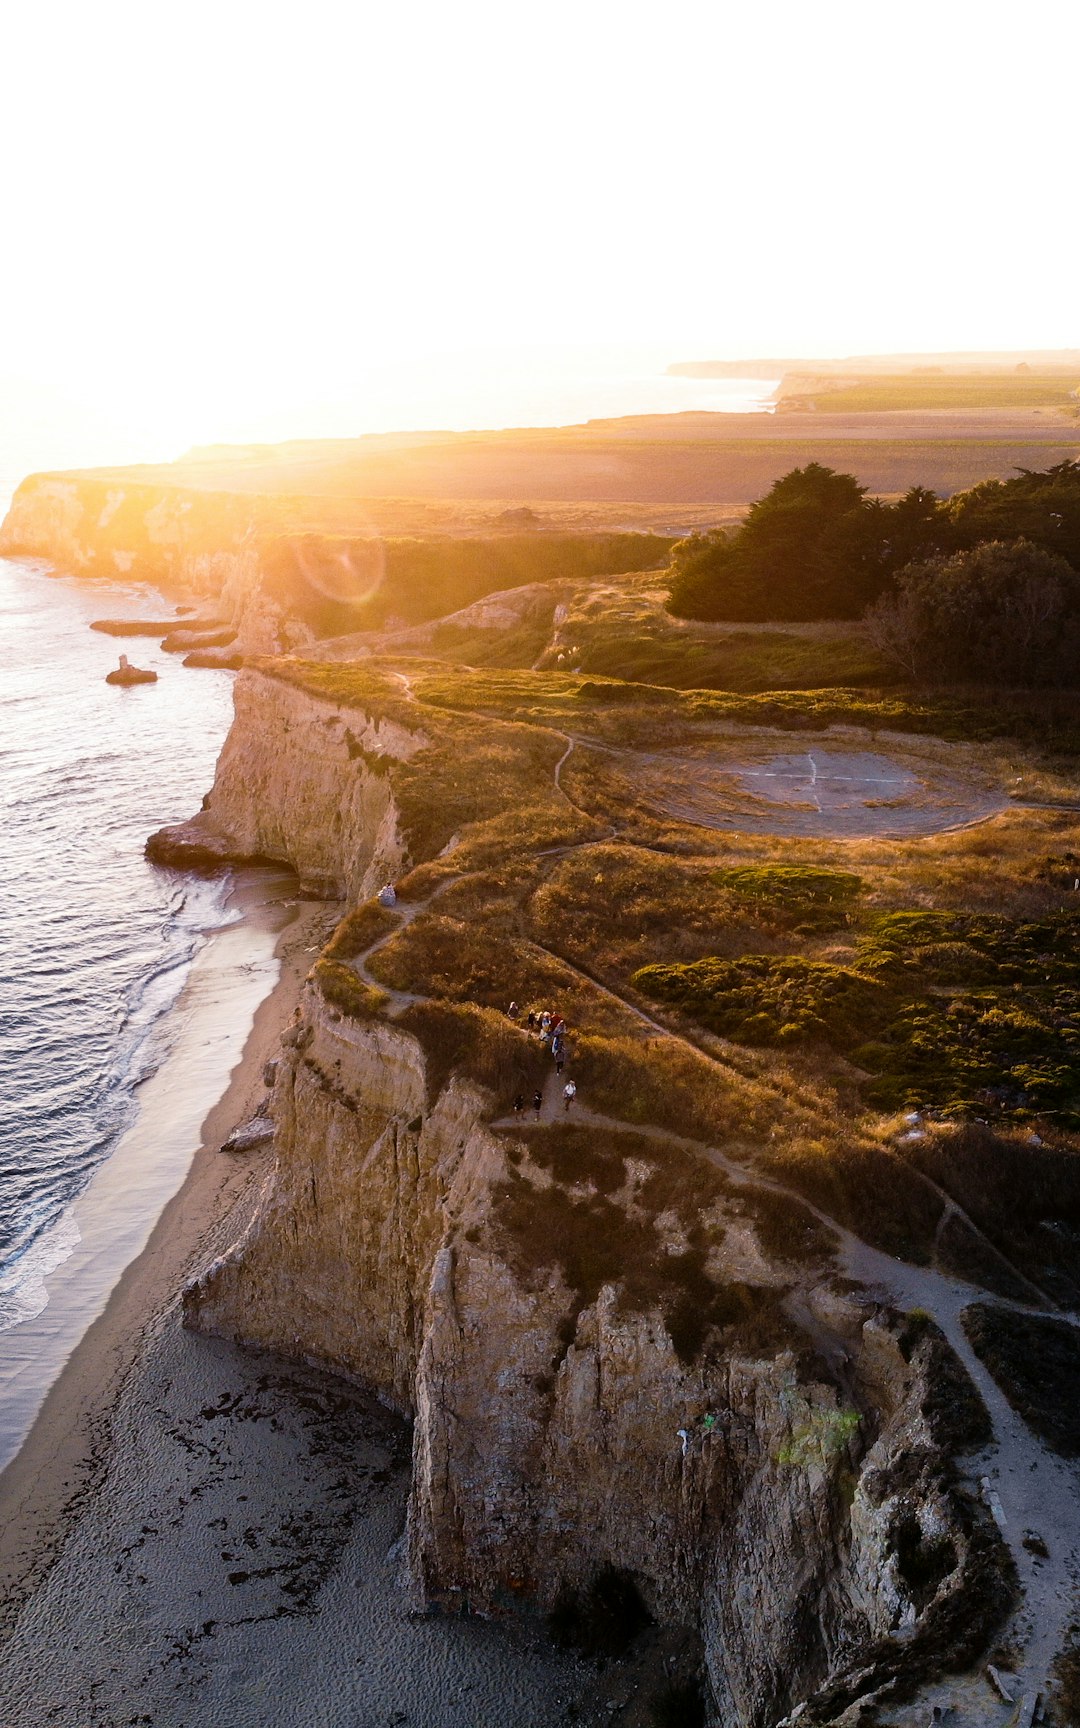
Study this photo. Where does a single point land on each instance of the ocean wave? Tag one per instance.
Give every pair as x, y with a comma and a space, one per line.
23, 1291
96, 944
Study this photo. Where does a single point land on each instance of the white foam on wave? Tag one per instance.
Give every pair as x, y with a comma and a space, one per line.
23, 1291
146, 1030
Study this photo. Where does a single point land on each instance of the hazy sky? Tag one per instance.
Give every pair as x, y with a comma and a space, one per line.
239, 220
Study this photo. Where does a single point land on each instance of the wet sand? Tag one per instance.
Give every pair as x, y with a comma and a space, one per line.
193, 1534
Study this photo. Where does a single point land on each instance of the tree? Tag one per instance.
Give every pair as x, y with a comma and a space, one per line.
813, 547
1042, 506
918, 526
1005, 614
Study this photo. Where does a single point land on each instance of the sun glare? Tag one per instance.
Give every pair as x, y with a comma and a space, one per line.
256, 228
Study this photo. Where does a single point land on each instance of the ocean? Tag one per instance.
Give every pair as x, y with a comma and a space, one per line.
95, 943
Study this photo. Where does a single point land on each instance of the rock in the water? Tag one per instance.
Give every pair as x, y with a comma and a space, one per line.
198, 636
126, 673
199, 847
133, 626
220, 659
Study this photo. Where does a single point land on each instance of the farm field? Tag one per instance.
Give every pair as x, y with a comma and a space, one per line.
965, 392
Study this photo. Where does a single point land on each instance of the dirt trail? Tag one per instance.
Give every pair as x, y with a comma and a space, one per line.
1035, 1492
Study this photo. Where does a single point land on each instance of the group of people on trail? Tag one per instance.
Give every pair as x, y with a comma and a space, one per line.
550, 1028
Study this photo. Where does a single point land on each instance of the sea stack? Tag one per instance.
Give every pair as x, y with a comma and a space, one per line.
126, 673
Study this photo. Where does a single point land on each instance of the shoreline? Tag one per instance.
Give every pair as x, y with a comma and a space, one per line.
63, 1452
193, 1529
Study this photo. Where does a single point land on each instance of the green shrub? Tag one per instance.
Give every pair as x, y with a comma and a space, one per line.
803, 894
766, 999
973, 948
982, 1051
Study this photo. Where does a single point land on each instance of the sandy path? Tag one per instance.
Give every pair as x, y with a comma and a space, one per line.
1035, 1491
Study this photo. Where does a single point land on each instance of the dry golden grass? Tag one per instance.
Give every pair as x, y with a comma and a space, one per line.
532, 894
457, 961
641, 1079
617, 907
345, 991
477, 1044
358, 930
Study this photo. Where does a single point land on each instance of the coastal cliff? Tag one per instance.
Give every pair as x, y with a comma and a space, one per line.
203, 546
282, 573
621, 1357
803, 1523
304, 783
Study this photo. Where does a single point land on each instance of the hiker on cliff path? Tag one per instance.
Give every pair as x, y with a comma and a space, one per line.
537, 1102
519, 1103
569, 1092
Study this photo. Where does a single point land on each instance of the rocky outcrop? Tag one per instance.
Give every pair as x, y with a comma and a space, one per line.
302, 782
126, 673
802, 1520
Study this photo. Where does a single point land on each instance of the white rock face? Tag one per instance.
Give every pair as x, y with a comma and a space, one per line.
48, 516
299, 780
544, 1451
547, 1440
149, 531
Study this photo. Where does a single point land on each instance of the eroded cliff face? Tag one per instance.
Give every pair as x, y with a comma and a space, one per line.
302, 782
546, 1439
199, 545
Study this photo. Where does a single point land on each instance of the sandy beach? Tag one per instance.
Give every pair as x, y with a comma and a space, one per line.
60, 1455
192, 1533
